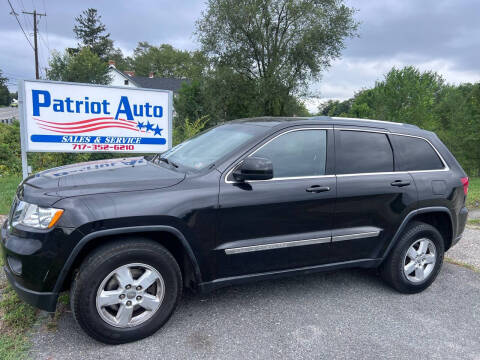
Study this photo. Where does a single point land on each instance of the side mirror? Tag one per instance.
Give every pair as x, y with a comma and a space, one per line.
254, 168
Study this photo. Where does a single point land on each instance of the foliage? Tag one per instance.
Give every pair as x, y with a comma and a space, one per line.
189, 129
280, 45
91, 33
84, 67
191, 102
16, 317
121, 63
192, 128
474, 222
16, 313
224, 95
8, 187
10, 160
5, 97
335, 108
13, 347
166, 61
458, 125
473, 197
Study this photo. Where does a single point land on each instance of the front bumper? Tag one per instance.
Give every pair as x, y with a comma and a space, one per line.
33, 262
43, 300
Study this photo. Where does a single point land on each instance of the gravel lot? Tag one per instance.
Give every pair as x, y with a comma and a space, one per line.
338, 315
468, 248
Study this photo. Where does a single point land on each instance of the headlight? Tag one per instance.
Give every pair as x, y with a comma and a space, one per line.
35, 216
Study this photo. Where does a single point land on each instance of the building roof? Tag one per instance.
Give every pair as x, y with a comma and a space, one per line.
152, 83
159, 83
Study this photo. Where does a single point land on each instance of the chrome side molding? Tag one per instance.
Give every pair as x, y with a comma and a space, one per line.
287, 244
279, 245
356, 236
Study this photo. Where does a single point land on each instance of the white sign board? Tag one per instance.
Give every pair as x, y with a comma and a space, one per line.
71, 117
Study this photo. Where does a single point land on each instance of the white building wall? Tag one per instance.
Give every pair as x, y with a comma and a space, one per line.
118, 79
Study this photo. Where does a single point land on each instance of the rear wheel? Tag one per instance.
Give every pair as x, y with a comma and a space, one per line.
415, 261
126, 291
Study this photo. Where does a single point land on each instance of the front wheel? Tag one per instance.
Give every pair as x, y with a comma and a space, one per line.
126, 291
416, 259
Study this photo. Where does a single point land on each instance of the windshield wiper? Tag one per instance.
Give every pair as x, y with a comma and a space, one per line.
169, 162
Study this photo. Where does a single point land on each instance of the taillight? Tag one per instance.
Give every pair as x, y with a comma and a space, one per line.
465, 184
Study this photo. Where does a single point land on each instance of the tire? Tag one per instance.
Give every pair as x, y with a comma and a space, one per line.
111, 267
402, 272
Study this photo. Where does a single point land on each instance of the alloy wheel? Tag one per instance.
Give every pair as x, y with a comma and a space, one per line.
130, 295
420, 260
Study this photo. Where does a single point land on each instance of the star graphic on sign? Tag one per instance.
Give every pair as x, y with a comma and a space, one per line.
157, 131
140, 125
149, 126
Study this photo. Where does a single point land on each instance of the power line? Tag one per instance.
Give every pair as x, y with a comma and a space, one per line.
26, 19
16, 17
35, 23
46, 27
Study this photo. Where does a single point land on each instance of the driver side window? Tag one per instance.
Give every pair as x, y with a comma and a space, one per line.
296, 153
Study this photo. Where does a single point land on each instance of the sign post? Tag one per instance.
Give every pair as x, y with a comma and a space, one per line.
73, 117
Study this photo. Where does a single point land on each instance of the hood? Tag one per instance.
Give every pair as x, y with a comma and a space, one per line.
104, 176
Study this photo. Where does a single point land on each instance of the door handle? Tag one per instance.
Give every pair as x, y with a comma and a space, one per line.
400, 183
317, 188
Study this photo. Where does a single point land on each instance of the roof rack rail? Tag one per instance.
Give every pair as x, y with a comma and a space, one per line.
360, 119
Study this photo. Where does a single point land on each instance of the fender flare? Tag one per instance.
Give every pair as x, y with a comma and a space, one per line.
407, 219
126, 230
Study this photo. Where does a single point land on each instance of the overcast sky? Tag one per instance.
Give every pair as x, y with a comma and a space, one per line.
440, 35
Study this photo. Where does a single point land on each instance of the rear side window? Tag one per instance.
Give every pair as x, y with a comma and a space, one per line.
414, 154
362, 152
297, 153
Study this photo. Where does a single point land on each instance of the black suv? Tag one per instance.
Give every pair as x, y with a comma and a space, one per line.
248, 200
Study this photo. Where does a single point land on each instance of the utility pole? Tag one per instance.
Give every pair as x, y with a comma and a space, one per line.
35, 45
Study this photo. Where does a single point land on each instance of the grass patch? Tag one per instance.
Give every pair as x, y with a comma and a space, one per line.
463, 264
16, 317
16, 314
473, 197
475, 222
8, 186
13, 347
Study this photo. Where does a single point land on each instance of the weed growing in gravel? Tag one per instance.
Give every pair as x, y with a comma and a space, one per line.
461, 263
16, 317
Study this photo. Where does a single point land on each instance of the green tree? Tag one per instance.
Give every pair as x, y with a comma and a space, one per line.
91, 33
279, 44
166, 61
190, 103
224, 95
5, 97
335, 107
121, 63
85, 67
458, 114
405, 95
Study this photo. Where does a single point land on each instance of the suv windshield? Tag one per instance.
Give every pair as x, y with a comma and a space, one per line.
210, 146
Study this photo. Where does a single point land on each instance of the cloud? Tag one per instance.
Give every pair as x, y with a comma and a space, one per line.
155, 21
349, 75
439, 35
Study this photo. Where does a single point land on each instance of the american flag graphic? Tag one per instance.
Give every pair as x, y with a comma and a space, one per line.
89, 125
